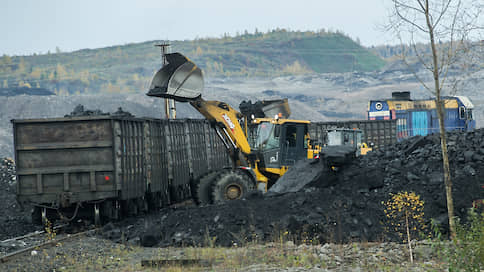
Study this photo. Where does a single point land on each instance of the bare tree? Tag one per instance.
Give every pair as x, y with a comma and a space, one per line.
448, 27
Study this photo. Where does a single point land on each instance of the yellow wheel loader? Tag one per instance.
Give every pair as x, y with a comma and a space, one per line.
261, 149
340, 146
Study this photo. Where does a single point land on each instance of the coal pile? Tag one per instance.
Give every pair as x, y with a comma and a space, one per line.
79, 110
297, 177
7, 173
416, 165
13, 220
338, 206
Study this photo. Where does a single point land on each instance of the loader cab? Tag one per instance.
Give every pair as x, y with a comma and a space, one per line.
351, 137
280, 142
342, 137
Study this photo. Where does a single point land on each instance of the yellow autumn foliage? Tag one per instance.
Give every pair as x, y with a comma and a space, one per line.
403, 207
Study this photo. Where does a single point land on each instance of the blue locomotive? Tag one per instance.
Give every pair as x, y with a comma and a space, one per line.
419, 117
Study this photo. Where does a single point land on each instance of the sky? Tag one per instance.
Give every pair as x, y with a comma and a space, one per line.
33, 26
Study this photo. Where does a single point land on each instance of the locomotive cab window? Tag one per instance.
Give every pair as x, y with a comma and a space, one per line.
462, 112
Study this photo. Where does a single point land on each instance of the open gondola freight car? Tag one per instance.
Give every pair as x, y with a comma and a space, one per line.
109, 166
376, 133
419, 117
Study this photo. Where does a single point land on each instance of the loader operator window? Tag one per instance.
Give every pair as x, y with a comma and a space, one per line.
358, 138
291, 133
346, 138
334, 138
266, 138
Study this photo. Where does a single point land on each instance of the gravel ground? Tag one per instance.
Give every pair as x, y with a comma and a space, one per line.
92, 253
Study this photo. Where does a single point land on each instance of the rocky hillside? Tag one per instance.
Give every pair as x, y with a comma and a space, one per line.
125, 68
315, 97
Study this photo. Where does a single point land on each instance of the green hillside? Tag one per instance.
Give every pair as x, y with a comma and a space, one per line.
130, 67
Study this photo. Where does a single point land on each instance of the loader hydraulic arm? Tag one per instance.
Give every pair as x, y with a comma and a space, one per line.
181, 79
226, 121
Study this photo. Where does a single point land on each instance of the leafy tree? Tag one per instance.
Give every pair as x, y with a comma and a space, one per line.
60, 71
36, 73
52, 75
405, 216
62, 92
295, 68
5, 64
136, 77
84, 77
6, 59
199, 51
21, 68
21, 83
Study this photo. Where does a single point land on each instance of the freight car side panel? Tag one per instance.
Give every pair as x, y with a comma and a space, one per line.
132, 169
378, 132
195, 130
68, 134
217, 152
64, 162
156, 157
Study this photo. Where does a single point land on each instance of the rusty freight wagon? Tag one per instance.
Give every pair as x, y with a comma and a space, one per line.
107, 166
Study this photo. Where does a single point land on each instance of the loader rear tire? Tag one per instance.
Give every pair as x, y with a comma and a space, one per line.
202, 188
231, 185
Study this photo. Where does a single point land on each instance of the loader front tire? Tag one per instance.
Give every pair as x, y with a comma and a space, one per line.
231, 185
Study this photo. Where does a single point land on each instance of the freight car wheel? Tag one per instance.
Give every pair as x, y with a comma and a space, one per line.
111, 210
231, 185
97, 215
131, 207
202, 188
155, 201
36, 216
176, 193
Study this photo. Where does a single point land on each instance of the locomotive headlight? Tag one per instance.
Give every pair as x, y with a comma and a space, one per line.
378, 106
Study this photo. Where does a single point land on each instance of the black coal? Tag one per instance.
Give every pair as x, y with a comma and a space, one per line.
14, 221
79, 110
337, 206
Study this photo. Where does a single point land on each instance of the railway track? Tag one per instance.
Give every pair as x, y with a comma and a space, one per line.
32, 242
17, 246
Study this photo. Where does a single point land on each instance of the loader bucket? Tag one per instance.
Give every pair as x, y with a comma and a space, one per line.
180, 79
266, 108
278, 107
